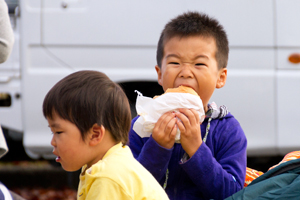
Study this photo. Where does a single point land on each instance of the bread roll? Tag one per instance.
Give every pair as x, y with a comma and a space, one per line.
180, 89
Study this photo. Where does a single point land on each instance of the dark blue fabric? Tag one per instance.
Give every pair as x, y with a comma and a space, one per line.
216, 171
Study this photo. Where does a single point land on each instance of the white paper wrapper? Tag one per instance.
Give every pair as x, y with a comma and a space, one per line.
150, 110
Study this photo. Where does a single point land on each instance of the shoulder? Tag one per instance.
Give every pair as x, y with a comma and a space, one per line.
108, 169
110, 166
131, 177
227, 123
226, 138
227, 130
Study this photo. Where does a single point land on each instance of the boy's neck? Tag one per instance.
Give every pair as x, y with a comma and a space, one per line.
102, 148
107, 143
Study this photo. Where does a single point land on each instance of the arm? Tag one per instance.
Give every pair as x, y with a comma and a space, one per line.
150, 154
6, 33
221, 173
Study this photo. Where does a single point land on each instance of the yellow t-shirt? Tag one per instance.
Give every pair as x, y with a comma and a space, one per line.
119, 176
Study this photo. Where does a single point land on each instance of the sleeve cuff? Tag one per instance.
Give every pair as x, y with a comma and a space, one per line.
157, 150
201, 160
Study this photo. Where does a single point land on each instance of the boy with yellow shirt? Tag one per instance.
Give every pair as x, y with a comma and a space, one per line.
89, 117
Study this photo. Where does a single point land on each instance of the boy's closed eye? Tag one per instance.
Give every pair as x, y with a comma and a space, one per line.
173, 63
200, 65
57, 132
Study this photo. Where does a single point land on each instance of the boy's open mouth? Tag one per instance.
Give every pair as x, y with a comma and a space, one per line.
57, 159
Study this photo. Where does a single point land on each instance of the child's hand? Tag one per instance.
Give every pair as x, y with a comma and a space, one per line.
164, 131
189, 126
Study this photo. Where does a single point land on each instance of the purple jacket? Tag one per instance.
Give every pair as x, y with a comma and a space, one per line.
216, 171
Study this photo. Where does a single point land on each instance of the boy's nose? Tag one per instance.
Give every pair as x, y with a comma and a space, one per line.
53, 143
186, 72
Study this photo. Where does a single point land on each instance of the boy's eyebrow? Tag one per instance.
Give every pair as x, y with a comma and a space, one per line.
174, 55
54, 125
201, 56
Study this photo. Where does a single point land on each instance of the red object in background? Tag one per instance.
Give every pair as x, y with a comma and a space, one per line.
46, 194
294, 58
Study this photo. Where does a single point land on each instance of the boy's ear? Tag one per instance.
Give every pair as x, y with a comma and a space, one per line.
222, 78
158, 71
96, 134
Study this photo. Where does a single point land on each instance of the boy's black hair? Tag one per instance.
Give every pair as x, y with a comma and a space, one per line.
195, 24
88, 97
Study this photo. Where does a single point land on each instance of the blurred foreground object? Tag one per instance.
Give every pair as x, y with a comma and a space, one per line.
280, 182
252, 174
6, 33
3, 145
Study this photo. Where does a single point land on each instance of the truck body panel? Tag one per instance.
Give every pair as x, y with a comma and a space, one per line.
119, 38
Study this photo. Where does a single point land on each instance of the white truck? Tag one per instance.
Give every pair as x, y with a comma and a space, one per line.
57, 37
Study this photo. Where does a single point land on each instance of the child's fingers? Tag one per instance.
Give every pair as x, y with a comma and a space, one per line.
170, 125
163, 129
183, 115
196, 116
164, 120
180, 126
173, 131
192, 115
